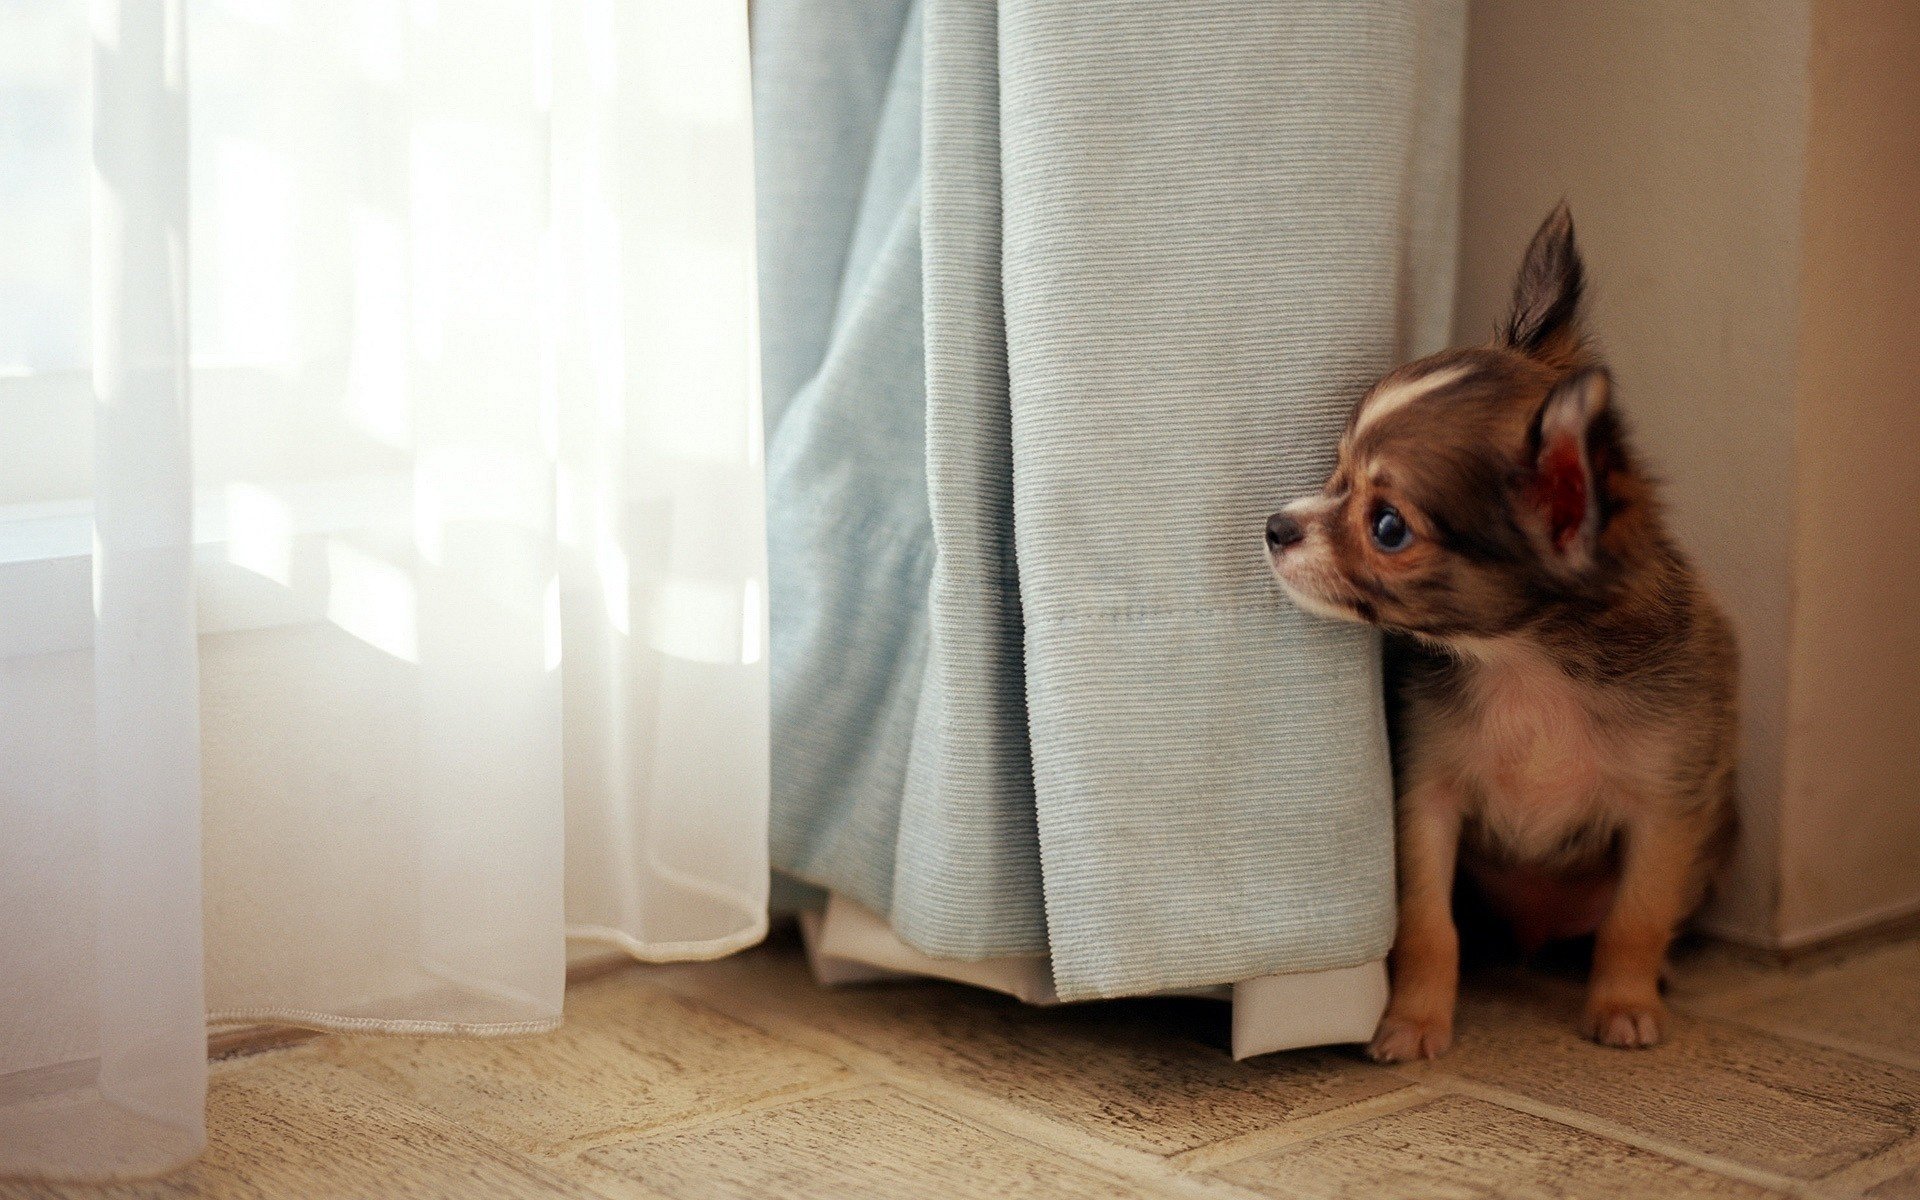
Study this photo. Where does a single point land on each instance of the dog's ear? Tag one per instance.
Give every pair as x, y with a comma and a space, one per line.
1563, 497
1545, 320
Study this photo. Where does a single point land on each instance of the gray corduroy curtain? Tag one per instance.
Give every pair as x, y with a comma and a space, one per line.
1060, 299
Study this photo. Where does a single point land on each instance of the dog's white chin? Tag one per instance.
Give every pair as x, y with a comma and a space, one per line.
1322, 608
1315, 603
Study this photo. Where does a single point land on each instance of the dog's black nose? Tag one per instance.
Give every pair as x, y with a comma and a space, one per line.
1283, 531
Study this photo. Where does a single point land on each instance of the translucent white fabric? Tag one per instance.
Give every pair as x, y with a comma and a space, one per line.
421, 602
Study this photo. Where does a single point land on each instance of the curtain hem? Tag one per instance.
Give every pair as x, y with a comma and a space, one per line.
669, 952
628, 945
332, 1023
847, 944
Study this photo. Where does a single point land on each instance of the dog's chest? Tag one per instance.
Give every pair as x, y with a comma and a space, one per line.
1529, 743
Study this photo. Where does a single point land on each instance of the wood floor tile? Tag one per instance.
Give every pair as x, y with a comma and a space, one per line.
1781, 1105
742, 1079
1904, 1186
628, 1058
1701, 972
869, 1142
292, 1125
1871, 1001
1457, 1146
1133, 1073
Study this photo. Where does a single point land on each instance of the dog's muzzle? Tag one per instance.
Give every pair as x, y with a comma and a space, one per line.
1283, 531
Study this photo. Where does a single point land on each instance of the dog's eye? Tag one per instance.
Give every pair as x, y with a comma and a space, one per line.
1389, 530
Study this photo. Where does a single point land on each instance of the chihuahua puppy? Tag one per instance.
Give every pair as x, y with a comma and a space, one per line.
1562, 700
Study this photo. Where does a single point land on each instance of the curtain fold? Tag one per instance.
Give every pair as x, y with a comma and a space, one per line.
1034, 690
434, 628
101, 1015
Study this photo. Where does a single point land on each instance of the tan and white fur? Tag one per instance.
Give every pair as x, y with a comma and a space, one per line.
1562, 686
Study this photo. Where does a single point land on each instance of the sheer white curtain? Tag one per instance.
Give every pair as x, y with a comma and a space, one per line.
381, 556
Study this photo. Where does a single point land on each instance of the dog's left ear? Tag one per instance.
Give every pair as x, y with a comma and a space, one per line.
1545, 318
1563, 494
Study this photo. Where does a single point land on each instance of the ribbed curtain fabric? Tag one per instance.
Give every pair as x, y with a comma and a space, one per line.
381, 529
1060, 300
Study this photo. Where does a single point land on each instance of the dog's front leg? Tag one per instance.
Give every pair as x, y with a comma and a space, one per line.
1426, 950
1659, 882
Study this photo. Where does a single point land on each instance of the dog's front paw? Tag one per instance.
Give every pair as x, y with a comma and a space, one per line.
1629, 1023
1403, 1037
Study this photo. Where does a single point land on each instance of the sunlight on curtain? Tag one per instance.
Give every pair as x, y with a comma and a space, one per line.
473, 484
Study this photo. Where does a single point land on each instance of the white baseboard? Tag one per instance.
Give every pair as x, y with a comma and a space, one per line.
1735, 932
1792, 940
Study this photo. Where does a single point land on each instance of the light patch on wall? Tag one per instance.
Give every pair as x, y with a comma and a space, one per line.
616, 583
377, 400
603, 44
268, 13
253, 252
698, 620
478, 485
689, 372
259, 533
104, 202
756, 430
553, 319
382, 41
430, 217
604, 303
566, 508
373, 600
550, 623
541, 52
752, 620
104, 21
691, 64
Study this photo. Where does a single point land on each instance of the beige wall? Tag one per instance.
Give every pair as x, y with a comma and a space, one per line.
1851, 816
1677, 132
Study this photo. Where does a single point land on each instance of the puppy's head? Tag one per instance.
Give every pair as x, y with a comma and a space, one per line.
1473, 487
